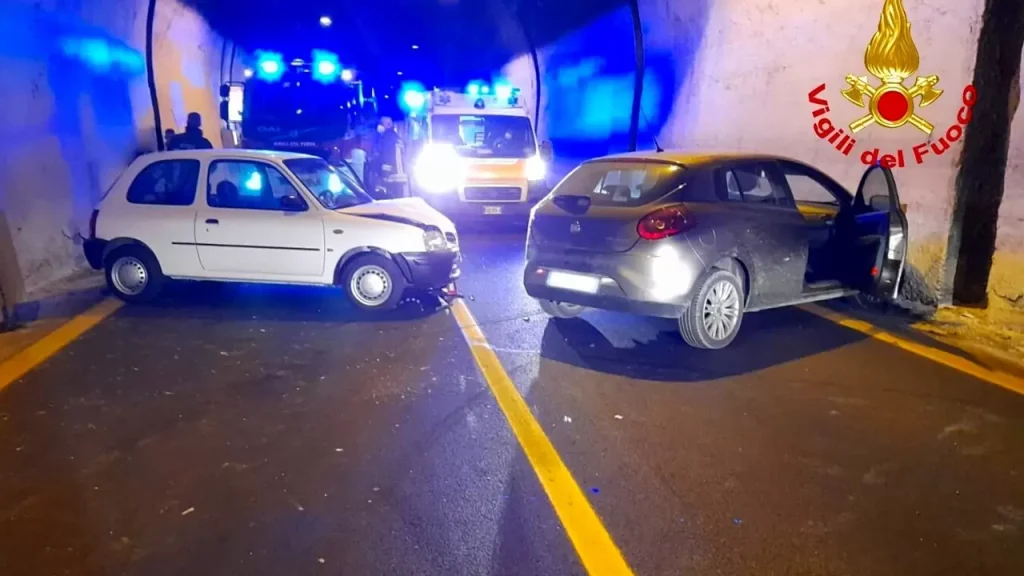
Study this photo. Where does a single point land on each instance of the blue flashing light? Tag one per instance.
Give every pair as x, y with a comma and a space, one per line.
270, 66
325, 66
347, 75
414, 99
473, 89
503, 91
254, 182
334, 183
485, 89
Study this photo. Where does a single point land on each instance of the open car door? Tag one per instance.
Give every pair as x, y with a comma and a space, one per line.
879, 243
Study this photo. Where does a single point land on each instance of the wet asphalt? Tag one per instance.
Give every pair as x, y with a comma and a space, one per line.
274, 430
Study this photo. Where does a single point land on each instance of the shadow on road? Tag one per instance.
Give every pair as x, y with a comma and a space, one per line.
651, 349
241, 302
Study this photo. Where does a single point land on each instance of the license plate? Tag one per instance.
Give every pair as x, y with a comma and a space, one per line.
492, 209
574, 282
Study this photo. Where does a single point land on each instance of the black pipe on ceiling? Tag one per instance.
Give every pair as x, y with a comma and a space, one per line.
151, 76
638, 81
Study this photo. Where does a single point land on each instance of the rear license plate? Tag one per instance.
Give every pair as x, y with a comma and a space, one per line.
492, 209
575, 282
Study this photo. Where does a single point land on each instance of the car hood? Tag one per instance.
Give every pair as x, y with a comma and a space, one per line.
412, 211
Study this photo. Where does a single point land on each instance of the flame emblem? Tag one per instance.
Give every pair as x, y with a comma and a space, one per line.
892, 57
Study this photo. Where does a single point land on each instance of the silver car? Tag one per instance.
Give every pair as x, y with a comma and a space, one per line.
706, 238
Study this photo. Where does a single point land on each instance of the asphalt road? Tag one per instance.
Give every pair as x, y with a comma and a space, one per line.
258, 430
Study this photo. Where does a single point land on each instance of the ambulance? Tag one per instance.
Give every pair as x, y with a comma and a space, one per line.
474, 152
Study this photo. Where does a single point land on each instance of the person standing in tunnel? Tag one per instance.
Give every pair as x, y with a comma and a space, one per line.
169, 136
385, 152
192, 138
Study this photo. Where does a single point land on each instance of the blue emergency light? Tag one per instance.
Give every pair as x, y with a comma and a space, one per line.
326, 67
270, 66
413, 97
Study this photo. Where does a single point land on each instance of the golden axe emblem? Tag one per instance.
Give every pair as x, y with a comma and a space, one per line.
892, 57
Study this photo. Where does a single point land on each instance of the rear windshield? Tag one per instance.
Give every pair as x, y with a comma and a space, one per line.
620, 183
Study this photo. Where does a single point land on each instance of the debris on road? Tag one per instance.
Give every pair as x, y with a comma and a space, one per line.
618, 416
566, 419
187, 512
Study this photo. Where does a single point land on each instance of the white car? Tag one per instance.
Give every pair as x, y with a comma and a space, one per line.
259, 216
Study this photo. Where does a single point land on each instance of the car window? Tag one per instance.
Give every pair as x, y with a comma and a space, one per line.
166, 183
808, 187
334, 188
249, 185
755, 184
616, 183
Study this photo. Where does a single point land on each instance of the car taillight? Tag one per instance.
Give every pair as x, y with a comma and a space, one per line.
663, 222
92, 223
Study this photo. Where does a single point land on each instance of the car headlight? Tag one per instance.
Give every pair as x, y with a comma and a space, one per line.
434, 240
536, 169
439, 168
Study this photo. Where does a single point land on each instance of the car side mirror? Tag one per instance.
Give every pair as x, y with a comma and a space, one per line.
225, 112
547, 151
293, 203
880, 203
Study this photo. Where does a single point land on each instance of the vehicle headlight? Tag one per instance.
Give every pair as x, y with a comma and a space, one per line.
434, 240
536, 169
439, 168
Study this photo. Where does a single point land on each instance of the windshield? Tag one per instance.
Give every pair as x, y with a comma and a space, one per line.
334, 189
620, 183
485, 136
275, 109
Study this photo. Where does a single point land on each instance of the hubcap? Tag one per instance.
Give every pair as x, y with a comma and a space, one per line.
371, 285
721, 310
129, 276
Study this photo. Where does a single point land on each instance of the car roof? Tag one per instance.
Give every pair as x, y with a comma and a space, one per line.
693, 159
218, 153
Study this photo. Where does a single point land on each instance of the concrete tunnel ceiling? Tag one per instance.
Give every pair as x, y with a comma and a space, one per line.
457, 39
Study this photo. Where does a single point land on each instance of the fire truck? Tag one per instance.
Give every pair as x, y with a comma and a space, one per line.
474, 152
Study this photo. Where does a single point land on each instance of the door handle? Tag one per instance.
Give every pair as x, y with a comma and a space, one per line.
212, 221
339, 231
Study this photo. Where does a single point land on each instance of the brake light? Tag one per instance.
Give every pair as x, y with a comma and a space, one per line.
663, 222
92, 223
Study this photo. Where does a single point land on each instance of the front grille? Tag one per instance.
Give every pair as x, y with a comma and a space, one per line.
493, 193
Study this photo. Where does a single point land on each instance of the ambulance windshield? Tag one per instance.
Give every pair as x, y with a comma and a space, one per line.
485, 136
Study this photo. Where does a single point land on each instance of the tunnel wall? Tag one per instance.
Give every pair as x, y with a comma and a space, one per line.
737, 74
77, 109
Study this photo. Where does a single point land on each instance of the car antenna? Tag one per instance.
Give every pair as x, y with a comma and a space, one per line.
657, 147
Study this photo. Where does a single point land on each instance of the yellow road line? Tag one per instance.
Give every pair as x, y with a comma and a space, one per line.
23, 362
593, 544
1002, 379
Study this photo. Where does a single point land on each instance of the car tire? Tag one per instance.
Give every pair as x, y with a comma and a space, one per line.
373, 282
706, 322
133, 274
561, 310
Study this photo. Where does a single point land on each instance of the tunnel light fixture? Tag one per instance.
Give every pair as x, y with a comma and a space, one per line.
399, 72
415, 47
326, 21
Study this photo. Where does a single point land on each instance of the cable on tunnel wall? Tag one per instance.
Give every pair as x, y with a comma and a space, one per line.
638, 81
151, 76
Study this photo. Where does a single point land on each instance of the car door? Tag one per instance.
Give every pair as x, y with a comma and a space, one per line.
879, 243
160, 211
819, 199
256, 224
763, 223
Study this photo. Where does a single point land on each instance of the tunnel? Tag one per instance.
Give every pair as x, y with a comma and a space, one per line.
90, 87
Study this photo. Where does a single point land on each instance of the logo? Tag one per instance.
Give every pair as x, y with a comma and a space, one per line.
892, 58
575, 227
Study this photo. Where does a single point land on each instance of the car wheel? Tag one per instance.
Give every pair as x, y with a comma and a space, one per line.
713, 317
562, 310
373, 282
133, 274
